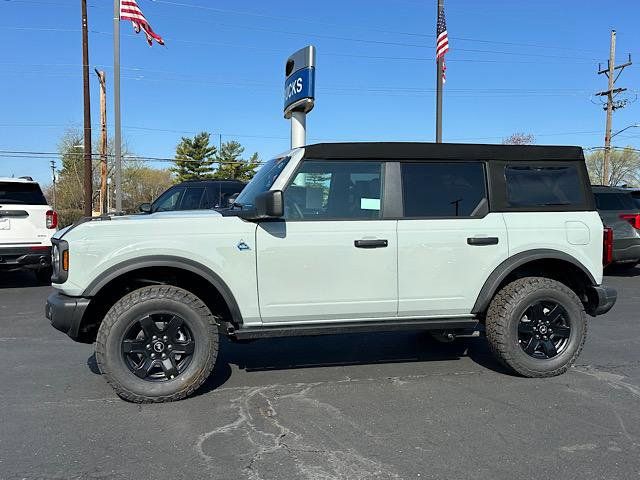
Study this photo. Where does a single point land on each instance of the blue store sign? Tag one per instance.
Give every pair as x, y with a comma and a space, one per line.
299, 90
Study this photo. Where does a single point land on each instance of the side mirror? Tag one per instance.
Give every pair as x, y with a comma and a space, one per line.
269, 204
145, 207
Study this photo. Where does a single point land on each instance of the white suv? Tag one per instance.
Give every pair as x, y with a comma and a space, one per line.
26, 226
336, 238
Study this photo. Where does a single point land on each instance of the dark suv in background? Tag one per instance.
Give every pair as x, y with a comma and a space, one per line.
196, 195
621, 212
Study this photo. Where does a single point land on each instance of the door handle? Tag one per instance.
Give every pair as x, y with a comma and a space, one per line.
371, 243
482, 240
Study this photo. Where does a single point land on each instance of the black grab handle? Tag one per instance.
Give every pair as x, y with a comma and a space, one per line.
371, 243
482, 240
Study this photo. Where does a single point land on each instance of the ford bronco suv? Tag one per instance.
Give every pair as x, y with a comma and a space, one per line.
351, 237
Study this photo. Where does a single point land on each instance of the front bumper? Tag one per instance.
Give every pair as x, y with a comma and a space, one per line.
65, 313
18, 258
601, 300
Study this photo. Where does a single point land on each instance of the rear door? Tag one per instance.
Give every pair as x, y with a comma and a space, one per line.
333, 257
448, 241
23, 211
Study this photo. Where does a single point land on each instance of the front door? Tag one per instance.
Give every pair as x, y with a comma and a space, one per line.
333, 257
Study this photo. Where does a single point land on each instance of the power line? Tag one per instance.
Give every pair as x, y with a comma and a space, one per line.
318, 35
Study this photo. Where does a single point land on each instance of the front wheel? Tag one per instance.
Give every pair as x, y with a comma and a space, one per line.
536, 326
157, 344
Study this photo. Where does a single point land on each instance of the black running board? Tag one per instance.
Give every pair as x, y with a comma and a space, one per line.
312, 329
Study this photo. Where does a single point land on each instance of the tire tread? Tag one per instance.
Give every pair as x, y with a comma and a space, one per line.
498, 322
148, 293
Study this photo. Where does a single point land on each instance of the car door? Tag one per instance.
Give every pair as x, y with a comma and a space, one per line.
333, 257
448, 241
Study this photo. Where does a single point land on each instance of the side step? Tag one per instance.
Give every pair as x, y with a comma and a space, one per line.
456, 323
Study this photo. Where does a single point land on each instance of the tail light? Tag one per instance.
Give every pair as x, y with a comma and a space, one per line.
633, 219
52, 219
607, 246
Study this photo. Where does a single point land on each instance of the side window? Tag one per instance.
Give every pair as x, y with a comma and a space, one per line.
335, 190
227, 191
438, 189
614, 201
533, 186
191, 198
169, 200
210, 198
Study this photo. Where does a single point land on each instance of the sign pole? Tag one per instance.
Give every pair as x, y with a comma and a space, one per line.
298, 129
117, 135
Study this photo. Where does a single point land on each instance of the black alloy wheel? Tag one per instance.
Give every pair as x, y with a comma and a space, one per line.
158, 347
544, 330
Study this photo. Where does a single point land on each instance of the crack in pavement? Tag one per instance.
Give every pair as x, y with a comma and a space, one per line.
265, 446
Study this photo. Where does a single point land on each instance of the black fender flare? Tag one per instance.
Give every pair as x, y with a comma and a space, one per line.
167, 261
510, 264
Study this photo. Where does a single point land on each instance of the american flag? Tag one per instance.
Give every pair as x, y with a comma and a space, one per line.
129, 10
442, 42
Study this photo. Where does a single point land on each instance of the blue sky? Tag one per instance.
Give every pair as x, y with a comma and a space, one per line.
513, 66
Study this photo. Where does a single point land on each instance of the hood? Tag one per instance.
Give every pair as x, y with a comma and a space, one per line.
138, 218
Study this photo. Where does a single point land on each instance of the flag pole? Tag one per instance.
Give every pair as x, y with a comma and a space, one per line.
116, 105
439, 72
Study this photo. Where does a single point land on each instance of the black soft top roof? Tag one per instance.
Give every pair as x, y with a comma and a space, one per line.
442, 151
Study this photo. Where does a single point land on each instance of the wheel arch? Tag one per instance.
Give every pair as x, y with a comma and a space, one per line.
540, 262
123, 277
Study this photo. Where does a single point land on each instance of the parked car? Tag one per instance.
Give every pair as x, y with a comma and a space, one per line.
27, 223
621, 213
338, 238
196, 195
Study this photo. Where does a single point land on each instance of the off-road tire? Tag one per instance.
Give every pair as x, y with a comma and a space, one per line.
125, 313
506, 310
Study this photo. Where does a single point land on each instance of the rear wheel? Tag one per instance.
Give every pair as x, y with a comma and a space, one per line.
157, 344
536, 326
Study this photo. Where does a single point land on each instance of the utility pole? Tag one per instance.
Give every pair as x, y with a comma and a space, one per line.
88, 183
53, 182
102, 78
611, 105
439, 84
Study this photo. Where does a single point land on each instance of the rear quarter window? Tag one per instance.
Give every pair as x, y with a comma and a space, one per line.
539, 186
19, 193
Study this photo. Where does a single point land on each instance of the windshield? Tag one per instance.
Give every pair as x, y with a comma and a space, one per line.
262, 181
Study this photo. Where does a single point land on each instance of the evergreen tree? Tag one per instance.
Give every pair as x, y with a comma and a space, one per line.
232, 166
194, 158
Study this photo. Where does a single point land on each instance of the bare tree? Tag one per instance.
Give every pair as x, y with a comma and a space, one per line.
624, 167
519, 138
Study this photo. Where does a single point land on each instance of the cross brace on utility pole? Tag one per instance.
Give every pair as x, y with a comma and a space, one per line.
610, 93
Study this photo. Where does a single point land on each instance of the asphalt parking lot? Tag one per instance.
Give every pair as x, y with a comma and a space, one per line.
395, 405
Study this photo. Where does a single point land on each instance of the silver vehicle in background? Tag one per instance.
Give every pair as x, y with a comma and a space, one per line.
621, 212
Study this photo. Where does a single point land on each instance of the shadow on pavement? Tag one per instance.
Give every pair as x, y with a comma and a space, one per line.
344, 350
617, 271
340, 350
21, 279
